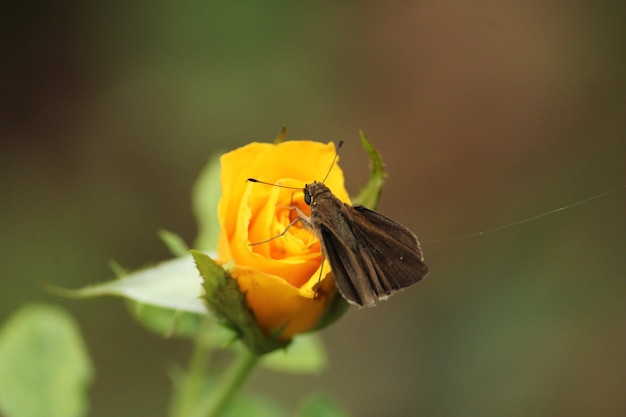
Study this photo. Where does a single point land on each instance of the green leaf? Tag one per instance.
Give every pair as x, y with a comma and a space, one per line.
305, 354
173, 323
228, 303
321, 406
44, 366
167, 322
173, 284
370, 194
205, 198
174, 243
249, 404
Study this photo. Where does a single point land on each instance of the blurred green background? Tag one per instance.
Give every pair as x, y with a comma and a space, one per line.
485, 112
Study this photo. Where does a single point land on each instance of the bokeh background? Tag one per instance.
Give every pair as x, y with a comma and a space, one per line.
485, 112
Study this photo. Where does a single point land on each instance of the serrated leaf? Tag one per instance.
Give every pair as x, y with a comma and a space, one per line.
205, 198
304, 355
174, 243
227, 302
44, 366
321, 406
221, 291
173, 284
370, 194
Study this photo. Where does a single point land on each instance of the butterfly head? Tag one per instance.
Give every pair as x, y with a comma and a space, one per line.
314, 190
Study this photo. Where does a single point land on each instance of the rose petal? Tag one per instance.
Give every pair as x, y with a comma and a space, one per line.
277, 274
278, 305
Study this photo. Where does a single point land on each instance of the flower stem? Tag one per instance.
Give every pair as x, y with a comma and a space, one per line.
191, 388
213, 405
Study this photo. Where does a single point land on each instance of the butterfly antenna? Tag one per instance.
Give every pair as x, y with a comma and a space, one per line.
339, 145
273, 185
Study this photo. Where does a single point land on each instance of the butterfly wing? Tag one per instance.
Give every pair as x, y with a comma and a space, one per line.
348, 269
373, 256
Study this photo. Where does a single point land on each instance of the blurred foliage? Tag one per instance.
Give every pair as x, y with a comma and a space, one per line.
44, 366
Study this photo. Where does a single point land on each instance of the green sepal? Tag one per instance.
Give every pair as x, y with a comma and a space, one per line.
118, 270
228, 303
176, 244
304, 355
370, 194
205, 199
281, 136
166, 322
172, 284
335, 309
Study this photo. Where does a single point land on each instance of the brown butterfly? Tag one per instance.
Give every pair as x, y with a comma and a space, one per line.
371, 256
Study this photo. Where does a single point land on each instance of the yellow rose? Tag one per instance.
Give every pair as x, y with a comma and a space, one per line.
279, 277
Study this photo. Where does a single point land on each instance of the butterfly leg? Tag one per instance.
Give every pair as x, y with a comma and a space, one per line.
294, 221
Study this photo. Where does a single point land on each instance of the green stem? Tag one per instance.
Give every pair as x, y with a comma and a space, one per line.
192, 385
213, 405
